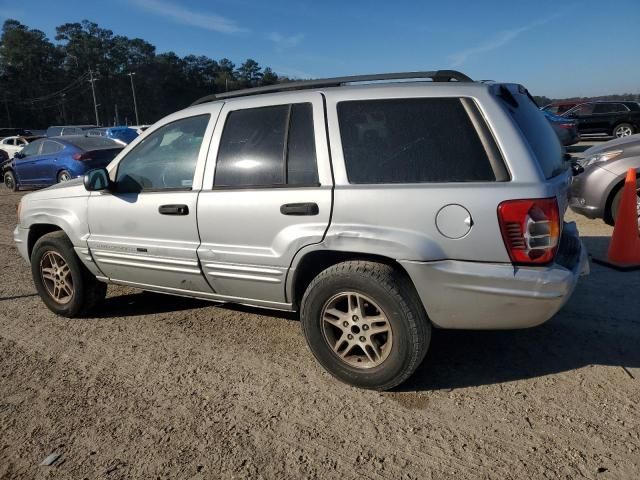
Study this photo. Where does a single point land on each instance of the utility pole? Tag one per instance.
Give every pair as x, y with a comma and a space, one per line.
6, 107
117, 119
135, 103
93, 90
64, 116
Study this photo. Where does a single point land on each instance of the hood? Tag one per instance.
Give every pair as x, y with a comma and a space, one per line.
72, 188
624, 143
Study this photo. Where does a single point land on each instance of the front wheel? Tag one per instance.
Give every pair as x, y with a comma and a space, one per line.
364, 323
615, 204
62, 281
623, 130
10, 181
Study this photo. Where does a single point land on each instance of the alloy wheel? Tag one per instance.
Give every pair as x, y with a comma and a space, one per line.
623, 132
56, 277
357, 330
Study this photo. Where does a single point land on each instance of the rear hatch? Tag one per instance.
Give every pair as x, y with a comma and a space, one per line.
550, 157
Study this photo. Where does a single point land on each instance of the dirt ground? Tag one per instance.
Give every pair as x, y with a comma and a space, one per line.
166, 387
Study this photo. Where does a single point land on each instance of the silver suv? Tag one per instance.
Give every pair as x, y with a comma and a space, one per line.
378, 209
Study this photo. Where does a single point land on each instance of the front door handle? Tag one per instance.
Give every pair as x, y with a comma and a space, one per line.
299, 209
173, 210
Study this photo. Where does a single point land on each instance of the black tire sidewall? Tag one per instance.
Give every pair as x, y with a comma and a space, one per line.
400, 355
60, 173
13, 177
615, 203
63, 247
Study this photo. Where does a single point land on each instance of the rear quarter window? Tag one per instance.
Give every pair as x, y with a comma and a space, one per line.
412, 140
535, 128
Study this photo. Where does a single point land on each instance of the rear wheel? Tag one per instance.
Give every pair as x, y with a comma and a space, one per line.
10, 181
364, 323
64, 176
62, 281
623, 130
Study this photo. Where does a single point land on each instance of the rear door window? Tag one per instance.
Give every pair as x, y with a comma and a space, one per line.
268, 147
50, 148
411, 140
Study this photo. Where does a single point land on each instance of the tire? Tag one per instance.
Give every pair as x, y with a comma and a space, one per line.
10, 181
381, 288
86, 291
63, 176
623, 130
615, 204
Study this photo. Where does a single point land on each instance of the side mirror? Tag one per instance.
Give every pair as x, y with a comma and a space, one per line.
19, 155
96, 180
576, 169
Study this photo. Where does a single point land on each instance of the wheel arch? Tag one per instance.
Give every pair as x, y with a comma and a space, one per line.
612, 190
309, 264
39, 230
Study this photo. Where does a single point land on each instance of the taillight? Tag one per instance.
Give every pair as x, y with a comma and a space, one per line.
567, 125
530, 229
82, 156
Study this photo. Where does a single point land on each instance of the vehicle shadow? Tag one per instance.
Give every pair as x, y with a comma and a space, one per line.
149, 303
598, 326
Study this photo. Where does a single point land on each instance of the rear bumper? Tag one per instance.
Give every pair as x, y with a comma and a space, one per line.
477, 296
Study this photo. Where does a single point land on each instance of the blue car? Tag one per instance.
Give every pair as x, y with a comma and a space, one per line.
124, 134
566, 129
52, 160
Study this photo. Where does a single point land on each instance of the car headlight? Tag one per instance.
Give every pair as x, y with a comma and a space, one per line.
600, 157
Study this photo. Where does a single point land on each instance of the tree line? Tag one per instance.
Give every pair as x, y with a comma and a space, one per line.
45, 83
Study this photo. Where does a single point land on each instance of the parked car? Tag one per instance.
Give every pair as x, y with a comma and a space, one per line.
596, 192
558, 108
357, 205
566, 129
4, 157
11, 145
46, 161
139, 128
618, 119
122, 134
58, 131
12, 132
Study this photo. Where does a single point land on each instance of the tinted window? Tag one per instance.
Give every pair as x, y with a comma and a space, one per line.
32, 148
251, 149
539, 135
301, 150
582, 110
411, 141
49, 148
93, 143
54, 131
166, 159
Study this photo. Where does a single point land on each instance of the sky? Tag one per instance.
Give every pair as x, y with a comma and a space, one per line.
555, 48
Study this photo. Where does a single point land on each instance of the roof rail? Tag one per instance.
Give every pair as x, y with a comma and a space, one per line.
436, 76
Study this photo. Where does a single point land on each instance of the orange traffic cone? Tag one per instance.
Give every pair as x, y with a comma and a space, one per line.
624, 249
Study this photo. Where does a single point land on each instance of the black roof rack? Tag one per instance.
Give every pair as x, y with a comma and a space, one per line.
436, 76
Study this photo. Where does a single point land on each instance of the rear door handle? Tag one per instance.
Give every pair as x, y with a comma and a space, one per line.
299, 209
173, 210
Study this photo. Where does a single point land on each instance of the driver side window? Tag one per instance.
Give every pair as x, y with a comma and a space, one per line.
166, 159
31, 149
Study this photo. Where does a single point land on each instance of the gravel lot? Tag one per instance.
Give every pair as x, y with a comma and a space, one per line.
166, 387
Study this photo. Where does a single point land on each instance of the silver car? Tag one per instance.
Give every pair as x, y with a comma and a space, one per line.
377, 209
596, 192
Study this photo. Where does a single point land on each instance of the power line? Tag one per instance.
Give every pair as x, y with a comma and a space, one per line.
72, 86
